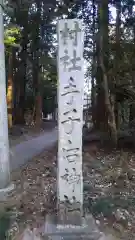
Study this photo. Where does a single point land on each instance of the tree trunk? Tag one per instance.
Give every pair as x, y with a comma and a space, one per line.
21, 75
132, 112
36, 68
104, 58
117, 111
132, 106
118, 57
93, 87
10, 91
101, 114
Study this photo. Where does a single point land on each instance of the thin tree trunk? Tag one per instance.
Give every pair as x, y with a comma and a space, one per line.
36, 70
101, 114
117, 57
103, 58
132, 106
21, 75
10, 92
93, 87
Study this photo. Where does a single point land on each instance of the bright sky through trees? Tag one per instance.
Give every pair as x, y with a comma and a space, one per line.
87, 85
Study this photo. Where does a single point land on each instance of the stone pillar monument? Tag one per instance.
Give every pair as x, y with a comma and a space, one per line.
4, 145
70, 112
69, 223
5, 185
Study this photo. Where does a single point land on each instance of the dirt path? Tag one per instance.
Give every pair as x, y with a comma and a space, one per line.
26, 150
22, 133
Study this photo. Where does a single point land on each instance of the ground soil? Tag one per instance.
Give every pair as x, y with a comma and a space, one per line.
109, 190
33, 195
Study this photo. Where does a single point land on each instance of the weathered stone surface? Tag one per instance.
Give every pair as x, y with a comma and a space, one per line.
70, 213
55, 231
30, 235
108, 237
70, 104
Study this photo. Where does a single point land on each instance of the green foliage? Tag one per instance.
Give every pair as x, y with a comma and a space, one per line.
12, 36
35, 32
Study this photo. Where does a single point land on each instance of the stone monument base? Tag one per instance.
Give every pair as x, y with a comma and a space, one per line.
88, 230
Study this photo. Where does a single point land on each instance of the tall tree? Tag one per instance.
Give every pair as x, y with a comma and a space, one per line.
118, 56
